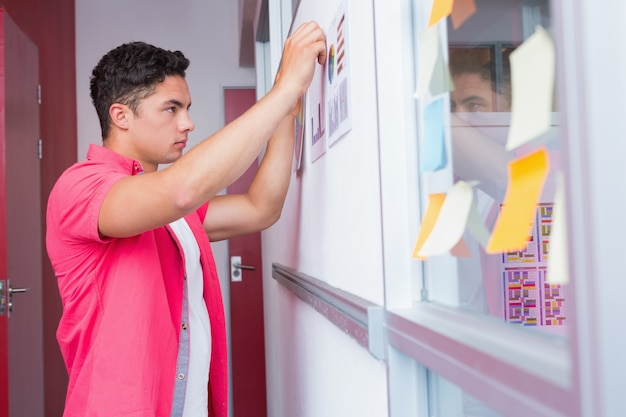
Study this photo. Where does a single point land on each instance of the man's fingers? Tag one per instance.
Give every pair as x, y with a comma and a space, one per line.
321, 56
304, 48
306, 28
311, 33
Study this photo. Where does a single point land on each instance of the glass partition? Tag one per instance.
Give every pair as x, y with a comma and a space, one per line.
513, 286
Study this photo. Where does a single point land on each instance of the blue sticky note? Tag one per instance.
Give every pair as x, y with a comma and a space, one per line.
433, 150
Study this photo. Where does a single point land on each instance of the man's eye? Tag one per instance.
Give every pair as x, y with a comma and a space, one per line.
475, 106
171, 109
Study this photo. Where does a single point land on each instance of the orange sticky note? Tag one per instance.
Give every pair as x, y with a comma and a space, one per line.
435, 201
527, 176
441, 9
452, 221
462, 10
460, 250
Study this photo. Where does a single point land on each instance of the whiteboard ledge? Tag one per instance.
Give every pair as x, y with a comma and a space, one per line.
355, 316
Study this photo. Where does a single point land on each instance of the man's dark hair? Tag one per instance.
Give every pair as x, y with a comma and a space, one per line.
473, 61
128, 74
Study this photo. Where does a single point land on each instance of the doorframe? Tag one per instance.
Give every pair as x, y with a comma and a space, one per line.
21, 233
248, 394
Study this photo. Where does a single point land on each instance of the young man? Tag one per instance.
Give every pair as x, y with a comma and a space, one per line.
143, 332
475, 91
475, 86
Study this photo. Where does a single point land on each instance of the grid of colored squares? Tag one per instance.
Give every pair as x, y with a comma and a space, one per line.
529, 299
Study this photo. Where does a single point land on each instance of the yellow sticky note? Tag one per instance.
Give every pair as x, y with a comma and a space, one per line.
452, 221
532, 84
441, 9
463, 10
435, 201
527, 176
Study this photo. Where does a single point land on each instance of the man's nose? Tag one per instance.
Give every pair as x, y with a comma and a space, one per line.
186, 124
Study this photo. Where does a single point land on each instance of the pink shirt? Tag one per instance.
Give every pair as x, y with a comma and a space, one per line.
122, 300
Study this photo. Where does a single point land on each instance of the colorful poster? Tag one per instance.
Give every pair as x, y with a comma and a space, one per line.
338, 106
530, 299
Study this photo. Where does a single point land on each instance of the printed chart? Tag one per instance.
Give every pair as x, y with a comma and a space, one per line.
530, 300
338, 79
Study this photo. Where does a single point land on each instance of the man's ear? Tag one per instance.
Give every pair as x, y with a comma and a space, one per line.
119, 114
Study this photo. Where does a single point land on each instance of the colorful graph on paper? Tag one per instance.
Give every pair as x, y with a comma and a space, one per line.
529, 300
338, 106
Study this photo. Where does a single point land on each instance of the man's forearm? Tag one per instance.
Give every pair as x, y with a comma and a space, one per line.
270, 185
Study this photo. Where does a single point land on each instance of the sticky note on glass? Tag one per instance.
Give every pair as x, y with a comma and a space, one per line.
460, 250
462, 10
452, 220
532, 84
477, 227
441, 9
428, 46
440, 80
527, 176
433, 150
435, 201
558, 266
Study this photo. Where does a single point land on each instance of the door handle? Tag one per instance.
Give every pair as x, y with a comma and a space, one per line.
14, 291
236, 267
6, 296
240, 266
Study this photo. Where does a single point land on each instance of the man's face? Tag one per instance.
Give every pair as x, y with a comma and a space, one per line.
161, 126
472, 93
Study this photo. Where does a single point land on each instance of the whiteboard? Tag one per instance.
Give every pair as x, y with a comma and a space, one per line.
330, 226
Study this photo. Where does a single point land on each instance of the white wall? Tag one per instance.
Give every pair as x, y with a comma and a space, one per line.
313, 368
332, 216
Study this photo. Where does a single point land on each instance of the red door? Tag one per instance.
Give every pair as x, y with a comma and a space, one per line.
21, 330
246, 294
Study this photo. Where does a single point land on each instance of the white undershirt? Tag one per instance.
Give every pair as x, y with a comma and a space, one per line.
196, 395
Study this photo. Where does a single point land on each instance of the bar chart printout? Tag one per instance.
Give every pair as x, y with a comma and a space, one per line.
338, 77
316, 114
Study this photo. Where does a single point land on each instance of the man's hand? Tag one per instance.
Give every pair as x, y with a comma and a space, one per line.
302, 50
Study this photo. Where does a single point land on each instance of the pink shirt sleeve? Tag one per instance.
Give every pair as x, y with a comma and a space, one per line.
75, 203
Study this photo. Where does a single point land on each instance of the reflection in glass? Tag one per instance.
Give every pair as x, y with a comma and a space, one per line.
482, 79
509, 286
